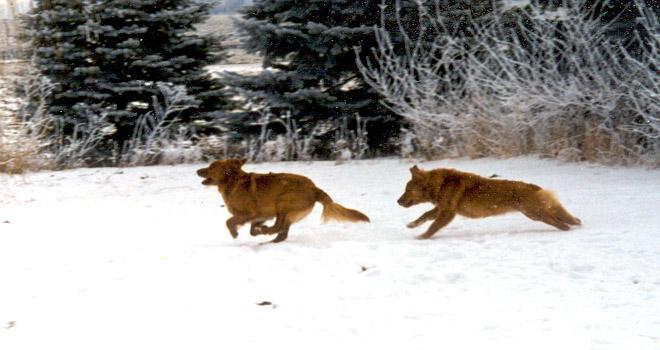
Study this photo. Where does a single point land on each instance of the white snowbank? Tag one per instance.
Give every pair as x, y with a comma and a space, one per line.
140, 259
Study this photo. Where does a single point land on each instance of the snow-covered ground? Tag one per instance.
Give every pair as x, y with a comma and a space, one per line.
140, 258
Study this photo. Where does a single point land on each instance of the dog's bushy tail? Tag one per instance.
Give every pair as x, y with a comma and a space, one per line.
556, 209
334, 211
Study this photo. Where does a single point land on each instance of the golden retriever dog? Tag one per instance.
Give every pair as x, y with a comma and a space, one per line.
256, 198
470, 195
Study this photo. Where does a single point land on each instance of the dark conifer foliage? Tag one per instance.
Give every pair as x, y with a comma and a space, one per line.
310, 50
106, 56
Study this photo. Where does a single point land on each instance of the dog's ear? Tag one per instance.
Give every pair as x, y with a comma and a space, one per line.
236, 163
415, 171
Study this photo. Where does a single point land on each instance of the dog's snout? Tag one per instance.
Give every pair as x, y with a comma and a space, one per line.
202, 172
405, 202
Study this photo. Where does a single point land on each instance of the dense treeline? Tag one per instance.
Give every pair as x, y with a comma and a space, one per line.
124, 82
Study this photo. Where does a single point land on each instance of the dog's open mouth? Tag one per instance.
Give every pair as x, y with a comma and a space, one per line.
204, 172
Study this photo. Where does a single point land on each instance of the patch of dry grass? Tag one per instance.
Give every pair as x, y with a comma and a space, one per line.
20, 149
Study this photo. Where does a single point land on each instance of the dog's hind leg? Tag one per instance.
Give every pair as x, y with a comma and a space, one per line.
283, 222
257, 227
280, 227
282, 235
276, 228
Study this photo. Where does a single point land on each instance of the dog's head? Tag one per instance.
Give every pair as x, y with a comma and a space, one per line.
220, 171
416, 189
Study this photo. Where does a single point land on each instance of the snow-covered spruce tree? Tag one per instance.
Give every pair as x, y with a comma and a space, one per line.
106, 57
309, 50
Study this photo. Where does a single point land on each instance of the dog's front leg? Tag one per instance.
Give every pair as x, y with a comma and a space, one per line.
444, 218
450, 194
232, 225
429, 215
234, 222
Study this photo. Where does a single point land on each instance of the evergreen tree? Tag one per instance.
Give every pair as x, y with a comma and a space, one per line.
106, 57
309, 48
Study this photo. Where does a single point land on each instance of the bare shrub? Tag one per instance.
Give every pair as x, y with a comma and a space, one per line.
288, 146
351, 144
22, 143
347, 144
272, 145
158, 136
39, 140
542, 81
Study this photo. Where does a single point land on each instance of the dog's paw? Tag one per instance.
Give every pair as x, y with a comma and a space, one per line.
256, 230
413, 224
422, 237
234, 235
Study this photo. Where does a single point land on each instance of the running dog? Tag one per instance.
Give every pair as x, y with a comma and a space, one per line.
256, 198
470, 195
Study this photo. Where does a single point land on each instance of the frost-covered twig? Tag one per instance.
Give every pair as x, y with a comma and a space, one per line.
526, 80
158, 136
351, 144
288, 146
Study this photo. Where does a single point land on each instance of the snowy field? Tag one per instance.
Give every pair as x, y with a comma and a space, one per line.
140, 258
